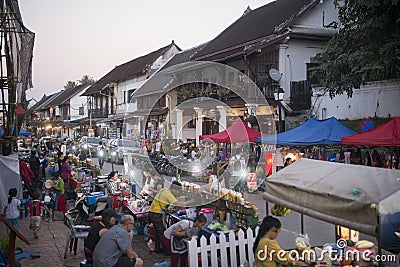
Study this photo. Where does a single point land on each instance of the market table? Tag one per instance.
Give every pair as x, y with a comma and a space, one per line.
75, 183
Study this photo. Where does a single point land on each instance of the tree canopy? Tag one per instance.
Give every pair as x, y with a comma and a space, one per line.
86, 79
366, 47
70, 85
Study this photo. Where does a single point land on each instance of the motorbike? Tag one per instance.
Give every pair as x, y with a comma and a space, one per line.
83, 214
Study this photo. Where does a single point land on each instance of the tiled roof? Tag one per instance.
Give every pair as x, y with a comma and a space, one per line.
130, 69
253, 26
47, 103
42, 104
155, 85
67, 94
39, 103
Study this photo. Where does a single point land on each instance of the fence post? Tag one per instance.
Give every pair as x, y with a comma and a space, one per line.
193, 258
232, 248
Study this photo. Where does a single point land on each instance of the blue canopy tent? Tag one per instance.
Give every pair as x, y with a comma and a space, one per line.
21, 132
312, 132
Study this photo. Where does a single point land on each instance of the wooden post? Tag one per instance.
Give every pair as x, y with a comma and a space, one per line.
14, 233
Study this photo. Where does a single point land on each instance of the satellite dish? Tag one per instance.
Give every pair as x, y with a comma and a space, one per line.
275, 74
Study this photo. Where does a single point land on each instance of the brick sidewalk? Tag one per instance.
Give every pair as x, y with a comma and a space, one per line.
51, 245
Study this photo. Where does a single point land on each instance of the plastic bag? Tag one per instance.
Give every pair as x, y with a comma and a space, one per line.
303, 243
151, 245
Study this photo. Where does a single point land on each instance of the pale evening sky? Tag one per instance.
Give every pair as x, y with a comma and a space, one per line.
78, 37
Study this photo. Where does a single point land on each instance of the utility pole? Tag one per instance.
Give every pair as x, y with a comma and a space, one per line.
90, 112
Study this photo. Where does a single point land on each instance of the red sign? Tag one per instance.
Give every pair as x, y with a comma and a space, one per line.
268, 163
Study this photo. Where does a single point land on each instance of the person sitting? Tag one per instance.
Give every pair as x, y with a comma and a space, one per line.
267, 252
114, 247
108, 219
179, 230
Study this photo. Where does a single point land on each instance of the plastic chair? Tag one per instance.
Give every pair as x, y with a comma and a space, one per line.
73, 235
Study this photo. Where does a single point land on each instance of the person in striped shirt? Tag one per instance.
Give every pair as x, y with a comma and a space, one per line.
112, 189
35, 208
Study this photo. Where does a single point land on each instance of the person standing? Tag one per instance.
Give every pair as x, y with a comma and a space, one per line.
112, 189
180, 230
35, 208
12, 208
66, 170
162, 199
108, 219
158, 148
34, 164
63, 149
101, 154
114, 247
59, 190
43, 163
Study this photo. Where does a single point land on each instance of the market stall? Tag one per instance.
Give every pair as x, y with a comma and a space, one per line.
312, 132
225, 209
353, 196
236, 133
387, 134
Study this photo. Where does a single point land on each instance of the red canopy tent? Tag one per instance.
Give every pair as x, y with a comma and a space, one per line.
387, 134
238, 132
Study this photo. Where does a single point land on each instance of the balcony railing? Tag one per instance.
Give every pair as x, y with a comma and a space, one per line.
101, 112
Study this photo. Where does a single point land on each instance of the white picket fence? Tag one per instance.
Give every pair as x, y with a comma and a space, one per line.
210, 252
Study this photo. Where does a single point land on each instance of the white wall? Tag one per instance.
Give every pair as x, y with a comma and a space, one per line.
295, 53
123, 88
376, 99
78, 101
322, 14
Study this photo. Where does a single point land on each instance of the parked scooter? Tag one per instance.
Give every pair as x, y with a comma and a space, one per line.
83, 213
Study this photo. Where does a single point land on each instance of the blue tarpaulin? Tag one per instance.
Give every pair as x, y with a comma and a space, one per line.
312, 132
21, 132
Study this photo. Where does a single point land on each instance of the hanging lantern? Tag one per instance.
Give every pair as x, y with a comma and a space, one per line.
20, 110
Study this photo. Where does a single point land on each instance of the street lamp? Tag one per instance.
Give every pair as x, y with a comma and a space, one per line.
278, 95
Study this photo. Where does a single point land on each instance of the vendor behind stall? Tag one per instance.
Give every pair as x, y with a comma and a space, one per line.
112, 188
267, 252
163, 198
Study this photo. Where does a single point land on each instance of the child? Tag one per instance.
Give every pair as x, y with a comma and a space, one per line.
12, 208
35, 208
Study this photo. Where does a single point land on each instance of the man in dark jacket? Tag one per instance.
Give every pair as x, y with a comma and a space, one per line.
34, 164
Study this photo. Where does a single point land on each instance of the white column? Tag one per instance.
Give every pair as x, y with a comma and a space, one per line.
222, 118
282, 69
179, 123
199, 124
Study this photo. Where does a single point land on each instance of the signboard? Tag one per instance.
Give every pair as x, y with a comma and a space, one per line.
252, 182
90, 132
367, 125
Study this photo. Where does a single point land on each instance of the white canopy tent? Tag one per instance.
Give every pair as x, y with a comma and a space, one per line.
353, 196
9, 177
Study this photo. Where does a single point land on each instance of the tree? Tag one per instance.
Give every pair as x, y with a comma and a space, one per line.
70, 85
366, 47
86, 79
